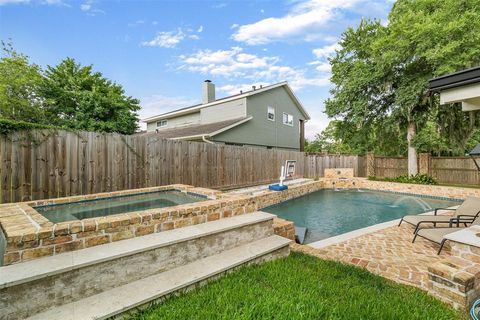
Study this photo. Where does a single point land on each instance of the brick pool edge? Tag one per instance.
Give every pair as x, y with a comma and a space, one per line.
29, 235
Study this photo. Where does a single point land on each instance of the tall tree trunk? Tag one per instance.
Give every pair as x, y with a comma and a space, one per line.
412, 151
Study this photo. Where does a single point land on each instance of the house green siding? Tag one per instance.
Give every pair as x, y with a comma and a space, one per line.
263, 132
185, 120
224, 111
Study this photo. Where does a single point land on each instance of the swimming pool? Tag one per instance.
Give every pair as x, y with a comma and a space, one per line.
114, 205
330, 212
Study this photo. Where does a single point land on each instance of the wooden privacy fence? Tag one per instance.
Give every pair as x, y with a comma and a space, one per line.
447, 170
454, 170
44, 164
390, 167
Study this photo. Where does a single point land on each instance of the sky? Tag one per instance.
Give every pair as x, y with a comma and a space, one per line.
162, 51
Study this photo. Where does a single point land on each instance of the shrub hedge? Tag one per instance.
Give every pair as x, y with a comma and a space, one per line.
8, 126
416, 179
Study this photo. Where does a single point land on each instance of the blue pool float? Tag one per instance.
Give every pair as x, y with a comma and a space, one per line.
277, 187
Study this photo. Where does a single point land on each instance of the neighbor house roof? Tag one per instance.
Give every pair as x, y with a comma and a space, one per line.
475, 151
456, 79
199, 130
197, 107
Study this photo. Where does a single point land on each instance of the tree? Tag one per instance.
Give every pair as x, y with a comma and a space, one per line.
383, 71
329, 141
78, 98
19, 83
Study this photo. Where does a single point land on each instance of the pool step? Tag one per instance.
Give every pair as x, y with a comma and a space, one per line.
120, 299
31, 287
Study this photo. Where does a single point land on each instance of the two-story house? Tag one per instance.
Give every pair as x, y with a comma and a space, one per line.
269, 116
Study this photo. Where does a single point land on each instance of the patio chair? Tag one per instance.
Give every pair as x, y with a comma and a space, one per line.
437, 235
465, 213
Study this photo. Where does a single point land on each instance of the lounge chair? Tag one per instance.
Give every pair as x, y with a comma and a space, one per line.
465, 213
437, 235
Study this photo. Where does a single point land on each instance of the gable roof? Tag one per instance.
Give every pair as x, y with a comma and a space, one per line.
197, 107
198, 130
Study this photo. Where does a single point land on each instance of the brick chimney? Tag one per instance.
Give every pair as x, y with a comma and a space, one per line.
208, 92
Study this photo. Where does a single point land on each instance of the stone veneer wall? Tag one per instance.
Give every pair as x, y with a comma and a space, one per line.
284, 228
456, 279
430, 190
29, 235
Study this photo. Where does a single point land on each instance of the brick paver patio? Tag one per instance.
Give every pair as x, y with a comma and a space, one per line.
389, 253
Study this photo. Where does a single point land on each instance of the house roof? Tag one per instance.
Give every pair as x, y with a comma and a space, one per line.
456, 79
197, 107
199, 130
475, 151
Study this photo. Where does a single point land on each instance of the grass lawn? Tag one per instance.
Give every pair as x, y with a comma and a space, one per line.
301, 287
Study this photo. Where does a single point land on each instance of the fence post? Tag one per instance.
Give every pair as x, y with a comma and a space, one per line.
424, 163
370, 164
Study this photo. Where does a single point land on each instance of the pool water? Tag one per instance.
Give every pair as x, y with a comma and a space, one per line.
115, 205
329, 212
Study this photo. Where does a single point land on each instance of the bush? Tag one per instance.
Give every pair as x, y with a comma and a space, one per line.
8, 126
416, 179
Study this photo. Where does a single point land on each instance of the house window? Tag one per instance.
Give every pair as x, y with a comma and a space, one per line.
287, 119
161, 123
271, 113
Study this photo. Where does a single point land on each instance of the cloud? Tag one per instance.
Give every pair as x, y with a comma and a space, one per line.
323, 54
246, 69
231, 89
42, 2
219, 5
89, 8
305, 19
136, 23
326, 51
225, 63
166, 39
5, 2
170, 39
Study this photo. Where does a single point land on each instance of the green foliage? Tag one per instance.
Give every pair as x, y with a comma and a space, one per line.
8, 126
300, 287
76, 97
19, 84
67, 95
473, 139
381, 75
416, 179
329, 141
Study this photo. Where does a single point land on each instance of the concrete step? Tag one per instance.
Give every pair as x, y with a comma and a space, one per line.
30, 287
120, 299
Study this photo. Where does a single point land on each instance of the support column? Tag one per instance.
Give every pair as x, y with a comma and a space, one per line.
302, 135
424, 163
370, 164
